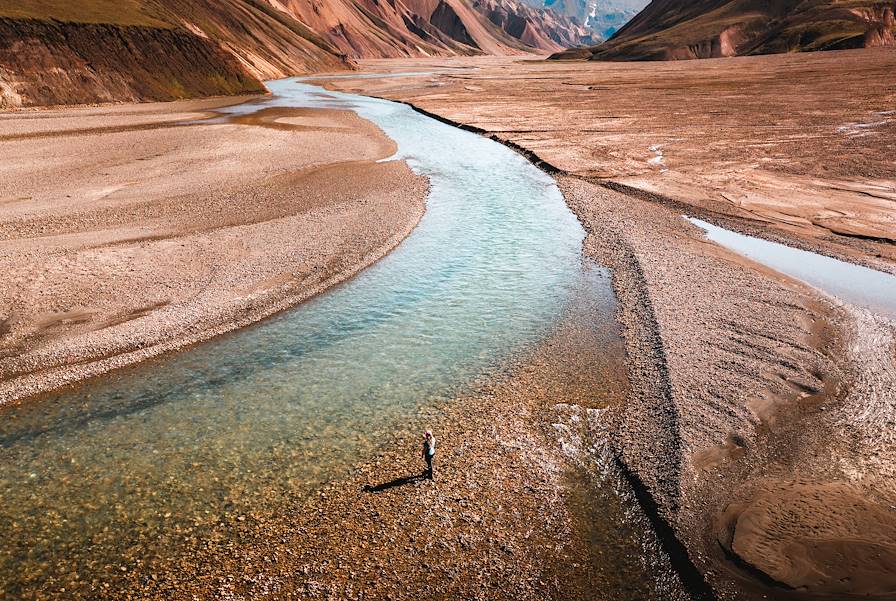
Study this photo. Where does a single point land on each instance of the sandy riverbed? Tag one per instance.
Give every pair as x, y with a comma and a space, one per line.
129, 231
758, 417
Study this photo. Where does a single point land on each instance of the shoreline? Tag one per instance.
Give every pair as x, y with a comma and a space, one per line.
125, 336
518, 474
33, 386
738, 224
224, 100
736, 450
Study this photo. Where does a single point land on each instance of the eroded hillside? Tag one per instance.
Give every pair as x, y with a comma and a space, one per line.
671, 30
86, 51
414, 28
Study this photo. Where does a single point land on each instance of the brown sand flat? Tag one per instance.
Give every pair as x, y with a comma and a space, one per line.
128, 231
40, 121
811, 536
804, 143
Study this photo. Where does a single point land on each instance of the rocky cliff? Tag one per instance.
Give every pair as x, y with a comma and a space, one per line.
48, 62
669, 29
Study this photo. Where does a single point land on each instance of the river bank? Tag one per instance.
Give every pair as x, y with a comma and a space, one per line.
747, 388
526, 501
131, 231
757, 418
751, 138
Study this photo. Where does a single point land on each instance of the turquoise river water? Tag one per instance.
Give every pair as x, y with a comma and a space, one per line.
135, 463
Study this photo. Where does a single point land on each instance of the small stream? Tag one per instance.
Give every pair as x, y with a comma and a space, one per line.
129, 470
855, 284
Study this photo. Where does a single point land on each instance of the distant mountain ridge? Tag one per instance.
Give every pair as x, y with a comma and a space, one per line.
671, 29
85, 51
363, 29
601, 17
609, 16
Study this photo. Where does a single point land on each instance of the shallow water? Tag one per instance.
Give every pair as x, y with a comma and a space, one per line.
855, 284
123, 472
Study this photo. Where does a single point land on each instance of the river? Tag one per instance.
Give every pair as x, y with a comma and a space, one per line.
130, 469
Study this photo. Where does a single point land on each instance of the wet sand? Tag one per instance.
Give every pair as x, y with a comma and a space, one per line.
133, 230
760, 412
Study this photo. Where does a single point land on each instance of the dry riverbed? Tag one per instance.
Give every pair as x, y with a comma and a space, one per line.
128, 231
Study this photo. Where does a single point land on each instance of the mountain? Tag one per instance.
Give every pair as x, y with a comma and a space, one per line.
602, 18
371, 29
537, 28
609, 16
87, 51
670, 29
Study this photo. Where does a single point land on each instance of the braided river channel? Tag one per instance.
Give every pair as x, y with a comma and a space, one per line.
122, 472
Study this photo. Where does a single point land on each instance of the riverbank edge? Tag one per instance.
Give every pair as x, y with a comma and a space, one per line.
225, 100
640, 330
737, 224
657, 494
31, 386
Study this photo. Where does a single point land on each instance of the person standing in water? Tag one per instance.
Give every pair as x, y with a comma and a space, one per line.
429, 451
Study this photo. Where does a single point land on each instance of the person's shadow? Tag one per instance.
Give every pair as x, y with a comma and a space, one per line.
394, 483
